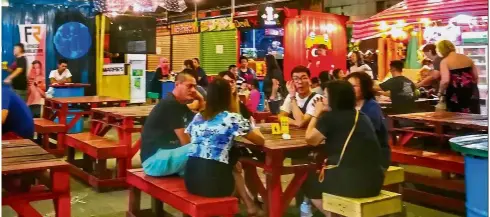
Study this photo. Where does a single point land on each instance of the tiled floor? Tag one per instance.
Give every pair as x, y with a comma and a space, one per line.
88, 203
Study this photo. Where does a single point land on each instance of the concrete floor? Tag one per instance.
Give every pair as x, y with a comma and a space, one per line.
88, 203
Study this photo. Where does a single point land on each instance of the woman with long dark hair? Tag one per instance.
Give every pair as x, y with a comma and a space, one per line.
210, 170
274, 84
358, 64
353, 167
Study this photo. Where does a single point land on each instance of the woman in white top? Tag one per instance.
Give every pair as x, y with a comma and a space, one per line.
61, 75
358, 64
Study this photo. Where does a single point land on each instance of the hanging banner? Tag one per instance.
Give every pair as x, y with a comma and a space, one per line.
33, 36
184, 28
215, 25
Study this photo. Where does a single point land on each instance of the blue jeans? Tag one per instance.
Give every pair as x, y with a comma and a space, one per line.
167, 162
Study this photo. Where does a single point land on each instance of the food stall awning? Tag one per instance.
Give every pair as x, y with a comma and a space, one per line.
412, 11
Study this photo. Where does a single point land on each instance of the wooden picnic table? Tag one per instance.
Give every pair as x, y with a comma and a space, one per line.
442, 126
441, 122
58, 107
422, 104
23, 160
125, 120
275, 149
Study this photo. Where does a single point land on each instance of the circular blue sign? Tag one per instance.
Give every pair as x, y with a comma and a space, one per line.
72, 40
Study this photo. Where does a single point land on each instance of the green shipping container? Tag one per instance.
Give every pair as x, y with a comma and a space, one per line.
218, 51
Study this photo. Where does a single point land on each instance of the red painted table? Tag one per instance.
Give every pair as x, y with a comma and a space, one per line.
440, 122
275, 149
58, 107
442, 126
23, 162
125, 121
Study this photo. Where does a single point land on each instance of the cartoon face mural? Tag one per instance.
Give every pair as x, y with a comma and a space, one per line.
317, 46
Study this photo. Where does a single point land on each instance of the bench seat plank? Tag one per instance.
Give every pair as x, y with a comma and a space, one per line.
171, 190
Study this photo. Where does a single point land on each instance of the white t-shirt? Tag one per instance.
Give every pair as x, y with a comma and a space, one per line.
310, 109
363, 68
54, 74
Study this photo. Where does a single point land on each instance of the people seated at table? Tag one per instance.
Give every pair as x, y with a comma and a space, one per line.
366, 103
241, 83
200, 89
241, 107
324, 77
18, 72
211, 170
338, 74
201, 74
16, 116
298, 105
36, 90
274, 84
401, 90
347, 138
315, 86
163, 140
244, 71
254, 96
458, 89
60, 75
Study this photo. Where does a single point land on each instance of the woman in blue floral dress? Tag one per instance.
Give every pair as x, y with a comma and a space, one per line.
210, 170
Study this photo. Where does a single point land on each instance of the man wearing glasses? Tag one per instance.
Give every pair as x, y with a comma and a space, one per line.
299, 104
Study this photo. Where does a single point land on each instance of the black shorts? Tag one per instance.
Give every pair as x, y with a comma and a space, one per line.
210, 178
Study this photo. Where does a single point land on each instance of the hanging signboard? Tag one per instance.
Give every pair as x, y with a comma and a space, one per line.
33, 36
246, 22
270, 17
113, 69
184, 28
437, 33
215, 25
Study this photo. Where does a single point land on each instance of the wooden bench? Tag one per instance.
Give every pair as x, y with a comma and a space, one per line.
96, 150
445, 161
171, 190
386, 203
44, 127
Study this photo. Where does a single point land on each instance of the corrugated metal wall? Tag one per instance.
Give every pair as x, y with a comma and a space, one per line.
298, 29
184, 47
212, 61
163, 48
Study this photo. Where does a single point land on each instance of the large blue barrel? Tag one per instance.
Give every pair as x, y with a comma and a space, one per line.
475, 150
476, 181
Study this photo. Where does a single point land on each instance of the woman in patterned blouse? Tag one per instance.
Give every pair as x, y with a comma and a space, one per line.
210, 170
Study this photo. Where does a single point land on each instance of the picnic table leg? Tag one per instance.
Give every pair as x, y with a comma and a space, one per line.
125, 138
63, 114
61, 185
273, 178
134, 201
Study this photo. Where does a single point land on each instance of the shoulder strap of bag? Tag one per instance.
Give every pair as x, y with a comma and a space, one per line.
327, 167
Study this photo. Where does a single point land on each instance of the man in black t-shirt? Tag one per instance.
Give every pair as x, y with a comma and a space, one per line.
18, 72
402, 89
163, 140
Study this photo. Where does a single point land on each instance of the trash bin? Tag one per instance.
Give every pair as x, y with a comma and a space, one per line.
475, 150
78, 127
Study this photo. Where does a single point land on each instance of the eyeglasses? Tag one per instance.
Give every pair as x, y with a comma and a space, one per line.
303, 78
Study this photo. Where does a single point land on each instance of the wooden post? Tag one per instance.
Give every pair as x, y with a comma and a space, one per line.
389, 54
381, 58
